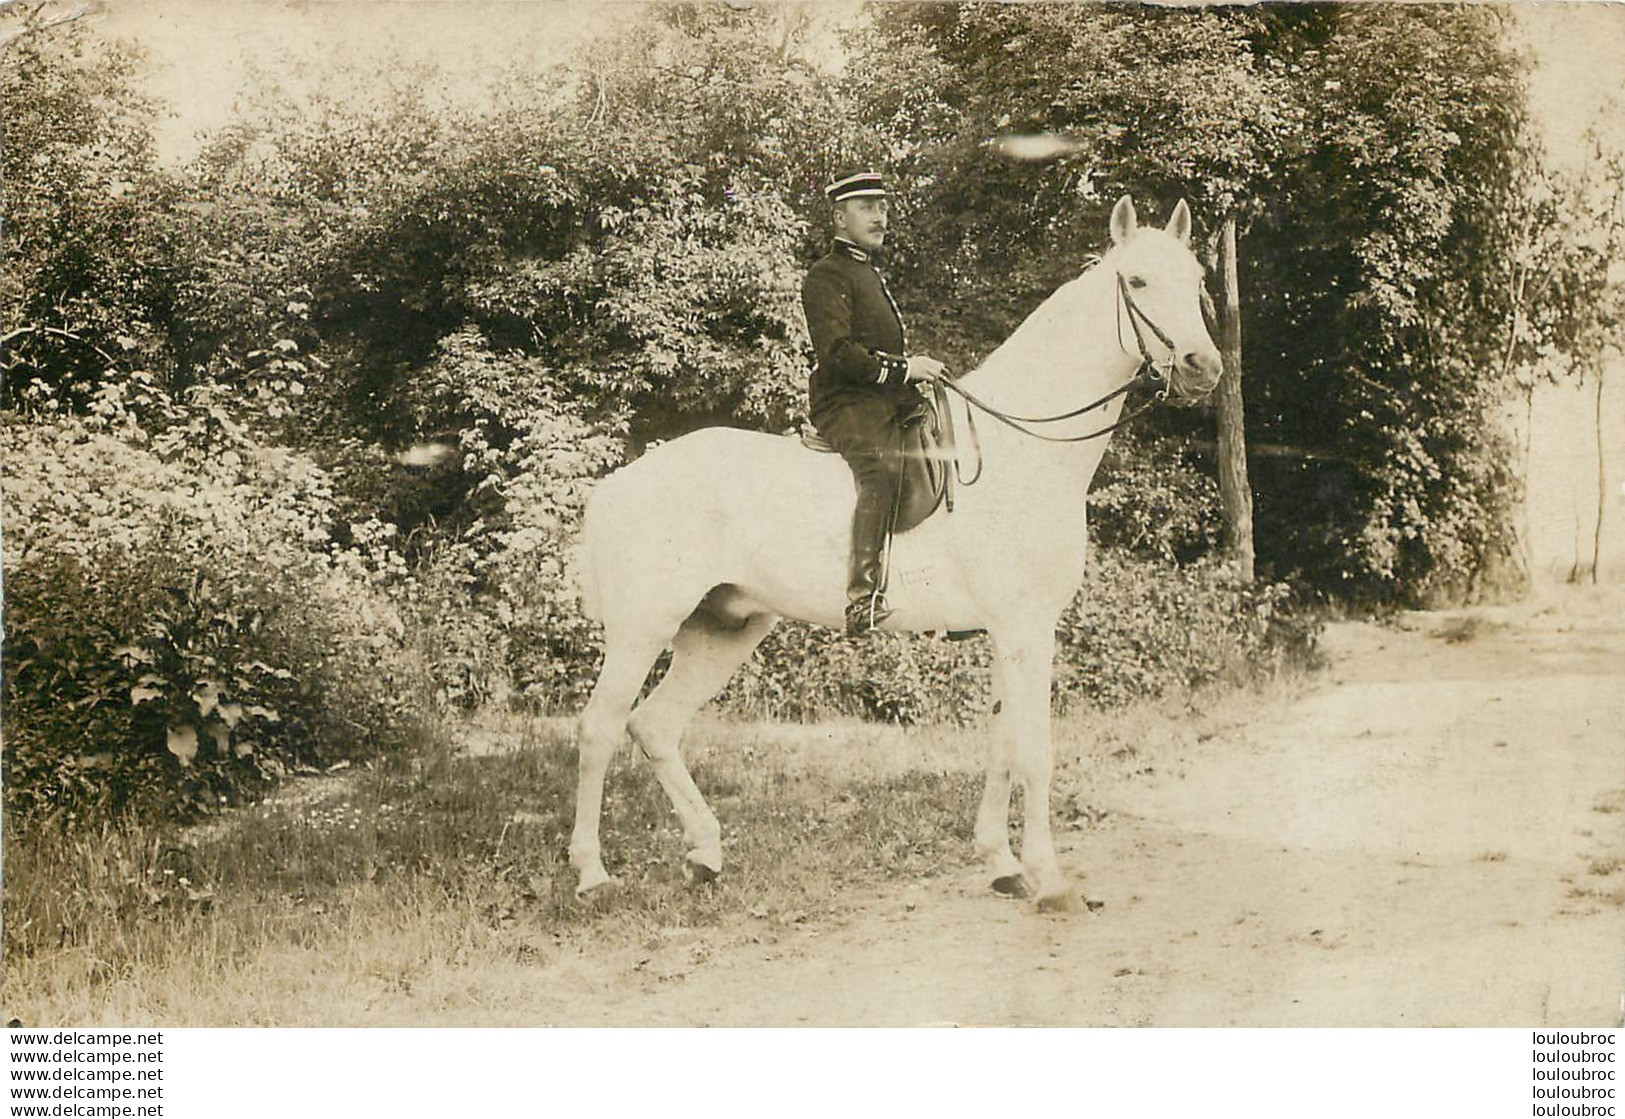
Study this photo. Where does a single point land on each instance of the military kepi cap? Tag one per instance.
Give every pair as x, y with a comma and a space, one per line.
863, 184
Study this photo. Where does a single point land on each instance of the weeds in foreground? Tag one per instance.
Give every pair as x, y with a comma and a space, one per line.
1461, 630
437, 883
429, 860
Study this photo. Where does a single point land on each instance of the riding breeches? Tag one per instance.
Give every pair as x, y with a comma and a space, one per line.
867, 436
865, 432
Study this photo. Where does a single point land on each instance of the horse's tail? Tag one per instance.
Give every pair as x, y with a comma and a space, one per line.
582, 558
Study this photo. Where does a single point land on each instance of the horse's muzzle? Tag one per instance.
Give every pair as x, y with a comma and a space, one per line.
1195, 375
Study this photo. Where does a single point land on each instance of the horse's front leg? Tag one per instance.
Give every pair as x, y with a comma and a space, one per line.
993, 816
1023, 666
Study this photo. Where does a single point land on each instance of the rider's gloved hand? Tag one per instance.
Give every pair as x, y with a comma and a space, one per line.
923, 368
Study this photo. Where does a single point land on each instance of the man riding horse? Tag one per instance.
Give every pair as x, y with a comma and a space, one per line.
743, 528
863, 382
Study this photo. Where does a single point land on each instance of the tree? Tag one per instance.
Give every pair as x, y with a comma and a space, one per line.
1380, 264
1163, 104
1367, 154
93, 258
1234, 489
1569, 307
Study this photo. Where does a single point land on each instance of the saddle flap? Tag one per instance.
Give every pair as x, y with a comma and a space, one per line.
928, 452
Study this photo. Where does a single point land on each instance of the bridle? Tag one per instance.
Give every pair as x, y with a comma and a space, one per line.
1150, 372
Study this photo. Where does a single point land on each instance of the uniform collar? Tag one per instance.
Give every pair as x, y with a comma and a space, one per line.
851, 250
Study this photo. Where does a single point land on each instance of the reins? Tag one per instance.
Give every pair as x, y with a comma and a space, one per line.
1149, 372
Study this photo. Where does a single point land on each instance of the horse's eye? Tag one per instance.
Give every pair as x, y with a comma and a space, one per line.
1136, 282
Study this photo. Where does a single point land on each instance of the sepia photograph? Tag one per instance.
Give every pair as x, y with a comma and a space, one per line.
812, 514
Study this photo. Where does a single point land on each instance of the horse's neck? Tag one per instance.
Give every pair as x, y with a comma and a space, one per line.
1066, 354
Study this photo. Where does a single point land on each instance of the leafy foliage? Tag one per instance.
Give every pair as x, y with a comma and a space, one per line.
1145, 630
1568, 297
176, 623
496, 601
1377, 329
1371, 150
1160, 103
1151, 504
92, 259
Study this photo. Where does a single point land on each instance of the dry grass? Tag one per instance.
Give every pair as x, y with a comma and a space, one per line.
425, 865
1464, 628
435, 872
1614, 897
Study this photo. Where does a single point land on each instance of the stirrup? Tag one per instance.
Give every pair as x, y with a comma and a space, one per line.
866, 614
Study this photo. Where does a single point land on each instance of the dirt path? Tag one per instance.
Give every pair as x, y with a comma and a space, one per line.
1434, 836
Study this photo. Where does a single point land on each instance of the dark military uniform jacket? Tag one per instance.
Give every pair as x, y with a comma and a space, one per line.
857, 335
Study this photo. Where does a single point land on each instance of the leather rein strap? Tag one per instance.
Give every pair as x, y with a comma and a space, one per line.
1149, 372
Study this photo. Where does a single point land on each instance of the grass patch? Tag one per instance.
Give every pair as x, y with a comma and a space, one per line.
1611, 805
1614, 897
436, 882
418, 866
1460, 630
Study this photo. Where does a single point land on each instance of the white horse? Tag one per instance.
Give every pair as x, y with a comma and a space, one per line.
705, 542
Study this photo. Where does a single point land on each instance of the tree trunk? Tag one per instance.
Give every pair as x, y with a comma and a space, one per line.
1525, 528
1602, 481
1520, 278
1235, 493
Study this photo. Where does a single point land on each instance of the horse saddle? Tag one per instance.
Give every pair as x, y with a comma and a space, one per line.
928, 453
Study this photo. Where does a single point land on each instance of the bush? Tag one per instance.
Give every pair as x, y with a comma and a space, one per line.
1148, 502
179, 621
96, 254
1140, 630
491, 594
804, 673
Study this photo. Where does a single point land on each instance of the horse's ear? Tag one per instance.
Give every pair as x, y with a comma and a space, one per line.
1124, 220
1180, 223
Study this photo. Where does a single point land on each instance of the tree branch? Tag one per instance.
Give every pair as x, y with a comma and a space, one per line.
61, 333
33, 23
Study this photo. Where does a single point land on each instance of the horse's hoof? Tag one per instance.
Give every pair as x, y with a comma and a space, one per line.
599, 892
699, 874
1062, 901
1011, 886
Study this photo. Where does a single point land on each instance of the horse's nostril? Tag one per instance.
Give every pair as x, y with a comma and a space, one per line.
1199, 363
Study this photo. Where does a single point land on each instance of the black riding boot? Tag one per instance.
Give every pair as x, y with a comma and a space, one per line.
865, 590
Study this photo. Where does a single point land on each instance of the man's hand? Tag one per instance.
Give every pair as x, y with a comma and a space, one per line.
923, 368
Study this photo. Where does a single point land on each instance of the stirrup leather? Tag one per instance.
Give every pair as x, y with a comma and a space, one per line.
866, 615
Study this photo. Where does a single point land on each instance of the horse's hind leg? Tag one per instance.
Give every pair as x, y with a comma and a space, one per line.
706, 652
599, 731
